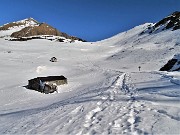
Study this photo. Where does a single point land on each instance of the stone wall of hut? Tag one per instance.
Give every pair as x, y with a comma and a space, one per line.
35, 84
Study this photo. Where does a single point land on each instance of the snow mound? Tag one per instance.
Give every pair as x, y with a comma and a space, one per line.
41, 69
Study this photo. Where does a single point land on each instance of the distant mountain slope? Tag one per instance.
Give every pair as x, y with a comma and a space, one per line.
137, 47
30, 28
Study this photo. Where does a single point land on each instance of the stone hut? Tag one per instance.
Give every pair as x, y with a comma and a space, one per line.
46, 84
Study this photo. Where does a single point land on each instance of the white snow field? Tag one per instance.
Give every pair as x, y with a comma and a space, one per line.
106, 93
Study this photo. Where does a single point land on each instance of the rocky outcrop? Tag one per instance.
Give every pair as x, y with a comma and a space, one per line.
170, 22
42, 29
173, 64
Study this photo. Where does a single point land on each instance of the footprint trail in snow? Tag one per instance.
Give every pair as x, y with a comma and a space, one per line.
111, 116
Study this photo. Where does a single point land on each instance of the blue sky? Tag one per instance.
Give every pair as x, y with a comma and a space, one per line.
91, 20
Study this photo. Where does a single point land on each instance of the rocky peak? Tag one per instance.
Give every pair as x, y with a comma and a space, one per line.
29, 27
171, 21
29, 21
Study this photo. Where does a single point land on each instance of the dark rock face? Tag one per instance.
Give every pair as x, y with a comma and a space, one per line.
173, 64
172, 21
169, 65
26, 38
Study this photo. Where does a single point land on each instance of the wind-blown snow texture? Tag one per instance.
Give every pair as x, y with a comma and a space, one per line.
105, 94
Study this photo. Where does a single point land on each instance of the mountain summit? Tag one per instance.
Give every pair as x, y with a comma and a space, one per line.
31, 28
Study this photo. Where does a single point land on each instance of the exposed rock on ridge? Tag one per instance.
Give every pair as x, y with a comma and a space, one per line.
173, 64
170, 22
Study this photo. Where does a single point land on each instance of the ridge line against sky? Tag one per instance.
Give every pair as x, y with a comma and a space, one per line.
91, 20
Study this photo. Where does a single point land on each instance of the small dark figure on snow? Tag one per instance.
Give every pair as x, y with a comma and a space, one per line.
139, 68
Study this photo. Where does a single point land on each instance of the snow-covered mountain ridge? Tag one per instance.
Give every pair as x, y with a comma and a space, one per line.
27, 28
170, 22
143, 49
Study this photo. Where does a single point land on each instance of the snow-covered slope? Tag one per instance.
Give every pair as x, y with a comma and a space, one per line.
106, 93
150, 51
